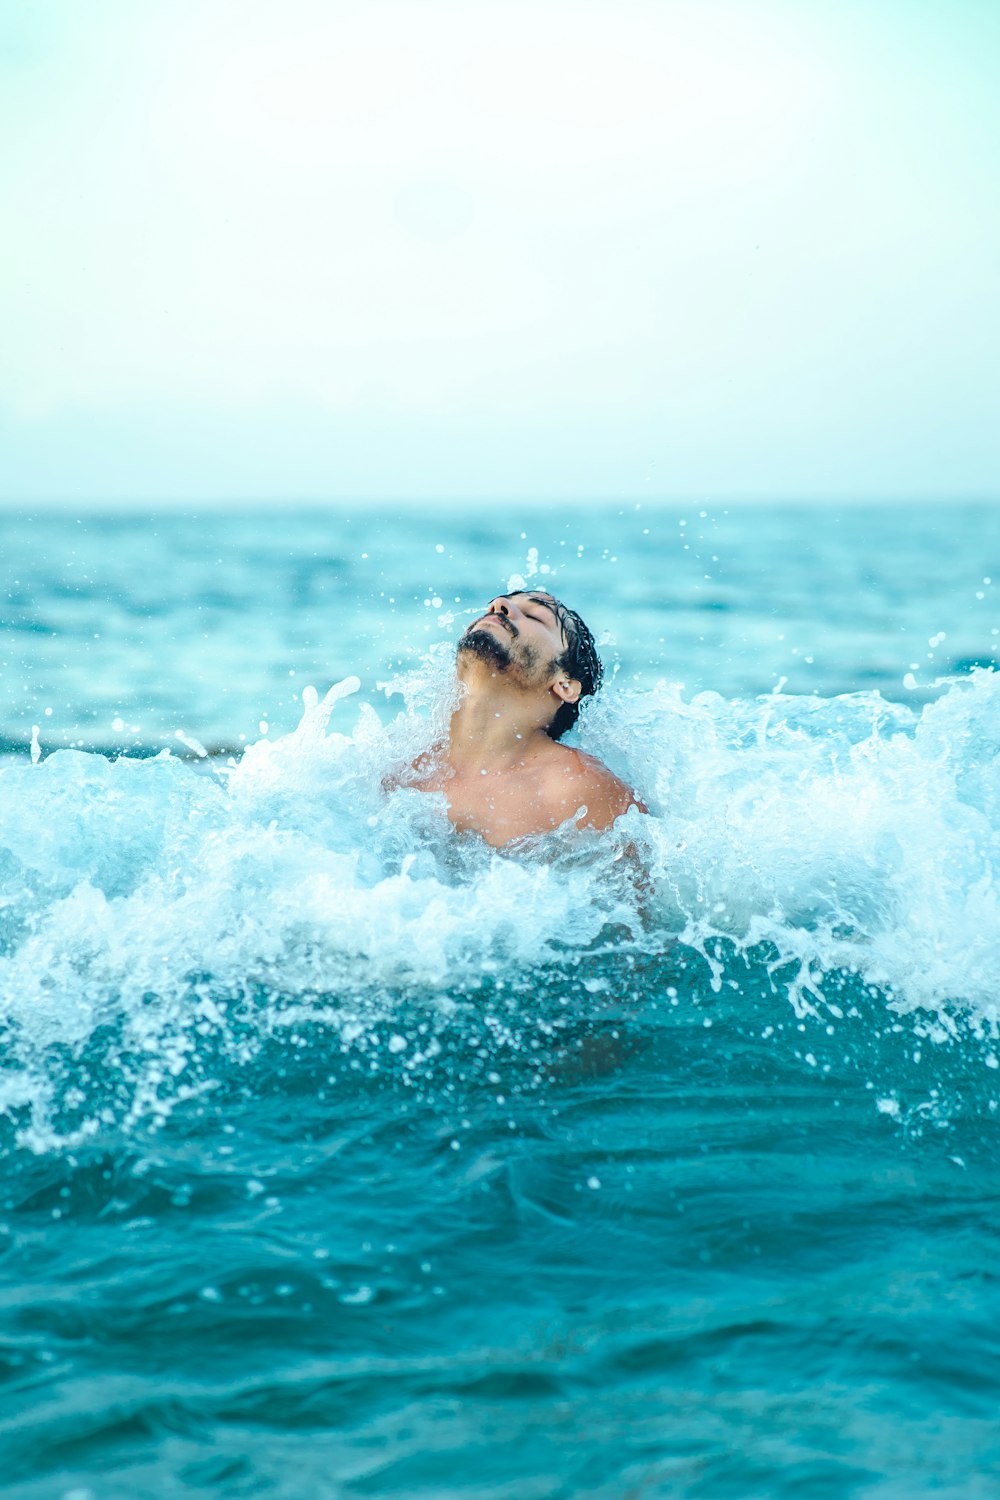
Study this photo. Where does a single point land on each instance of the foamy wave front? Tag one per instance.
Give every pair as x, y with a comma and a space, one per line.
847, 833
145, 905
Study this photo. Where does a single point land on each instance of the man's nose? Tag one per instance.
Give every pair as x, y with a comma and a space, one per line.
499, 606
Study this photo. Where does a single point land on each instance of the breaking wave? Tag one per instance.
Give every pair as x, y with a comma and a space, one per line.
160, 920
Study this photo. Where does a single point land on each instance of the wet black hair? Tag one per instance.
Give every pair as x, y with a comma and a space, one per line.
579, 659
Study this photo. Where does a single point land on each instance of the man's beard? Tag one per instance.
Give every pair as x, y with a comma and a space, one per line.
489, 646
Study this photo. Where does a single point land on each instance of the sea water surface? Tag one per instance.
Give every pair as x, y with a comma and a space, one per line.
342, 1157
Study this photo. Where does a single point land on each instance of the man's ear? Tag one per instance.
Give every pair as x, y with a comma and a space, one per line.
567, 689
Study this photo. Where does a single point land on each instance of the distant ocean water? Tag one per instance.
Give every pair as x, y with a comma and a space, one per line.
340, 1157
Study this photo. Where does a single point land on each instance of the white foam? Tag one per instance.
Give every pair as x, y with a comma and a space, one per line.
847, 833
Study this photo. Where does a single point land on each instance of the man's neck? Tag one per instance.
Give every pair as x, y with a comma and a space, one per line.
494, 729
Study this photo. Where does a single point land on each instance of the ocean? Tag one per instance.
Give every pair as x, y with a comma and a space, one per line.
344, 1157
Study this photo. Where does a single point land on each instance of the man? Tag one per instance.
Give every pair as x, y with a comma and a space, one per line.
524, 666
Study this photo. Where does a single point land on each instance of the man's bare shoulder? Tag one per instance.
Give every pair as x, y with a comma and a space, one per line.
589, 781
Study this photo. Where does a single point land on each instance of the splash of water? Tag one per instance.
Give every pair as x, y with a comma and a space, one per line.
155, 919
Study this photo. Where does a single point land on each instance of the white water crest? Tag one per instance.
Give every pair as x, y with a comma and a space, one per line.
848, 833
147, 899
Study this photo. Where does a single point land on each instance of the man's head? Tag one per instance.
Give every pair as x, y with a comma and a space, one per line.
544, 645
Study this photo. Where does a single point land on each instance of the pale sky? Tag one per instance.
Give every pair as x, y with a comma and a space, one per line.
633, 249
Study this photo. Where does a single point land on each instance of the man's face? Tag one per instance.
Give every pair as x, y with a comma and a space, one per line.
519, 633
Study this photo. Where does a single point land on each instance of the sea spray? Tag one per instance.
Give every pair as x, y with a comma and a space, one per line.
811, 843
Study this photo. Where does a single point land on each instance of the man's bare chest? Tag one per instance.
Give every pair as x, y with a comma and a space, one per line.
499, 807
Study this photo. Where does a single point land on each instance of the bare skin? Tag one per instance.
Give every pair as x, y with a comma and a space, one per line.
503, 777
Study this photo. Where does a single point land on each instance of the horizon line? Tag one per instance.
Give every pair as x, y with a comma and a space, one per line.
175, 505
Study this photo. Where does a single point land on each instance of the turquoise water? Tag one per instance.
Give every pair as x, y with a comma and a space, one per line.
341, 1157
